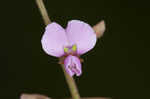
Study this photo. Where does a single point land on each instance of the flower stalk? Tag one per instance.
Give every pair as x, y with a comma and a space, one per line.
70, 81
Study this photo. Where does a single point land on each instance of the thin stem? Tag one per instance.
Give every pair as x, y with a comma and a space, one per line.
71, 84
70, 81
43, 11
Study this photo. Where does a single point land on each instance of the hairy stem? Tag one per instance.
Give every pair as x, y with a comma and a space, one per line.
70, 80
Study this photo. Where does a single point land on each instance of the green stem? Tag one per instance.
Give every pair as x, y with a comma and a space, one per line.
70, 81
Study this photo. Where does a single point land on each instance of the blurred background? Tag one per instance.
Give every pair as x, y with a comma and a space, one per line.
117, 67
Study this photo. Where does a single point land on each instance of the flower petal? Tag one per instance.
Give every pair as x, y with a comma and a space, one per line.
54, 40
82, 35
73, 65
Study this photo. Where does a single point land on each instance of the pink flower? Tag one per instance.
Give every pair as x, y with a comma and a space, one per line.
77, 39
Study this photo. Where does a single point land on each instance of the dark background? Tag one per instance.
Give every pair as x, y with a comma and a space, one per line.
117, 67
